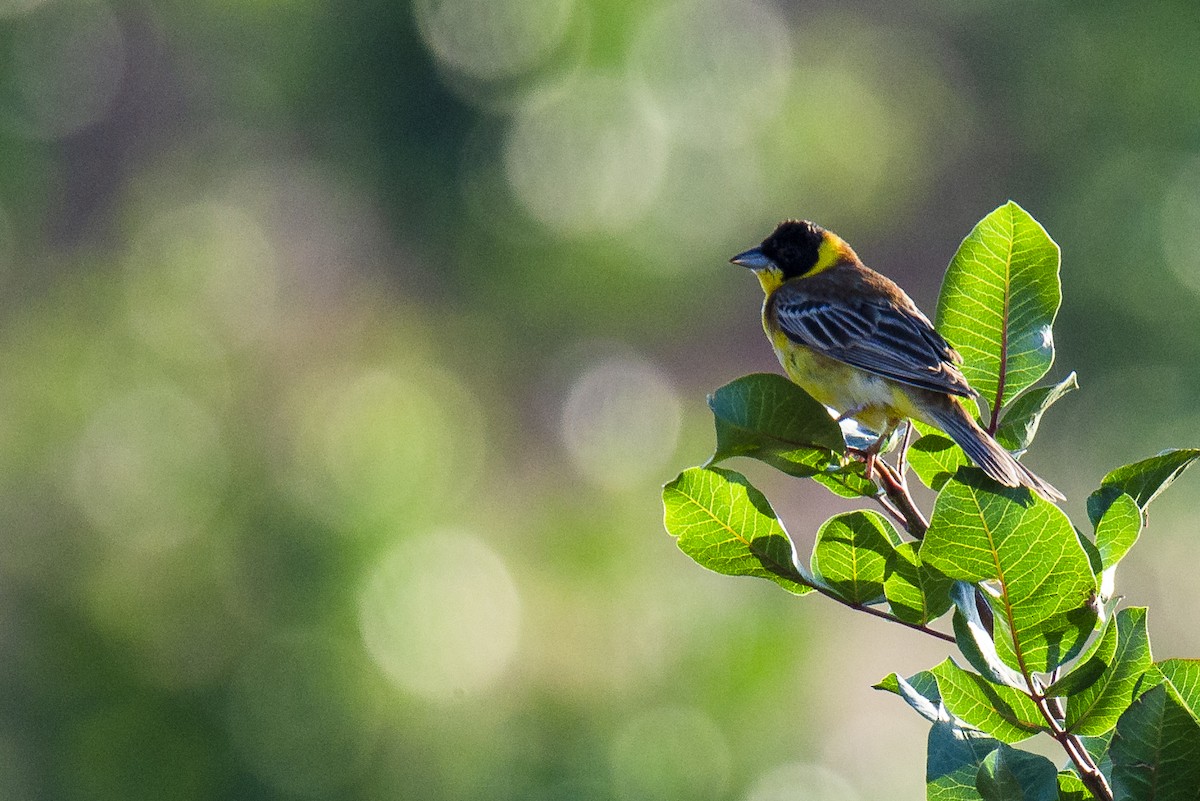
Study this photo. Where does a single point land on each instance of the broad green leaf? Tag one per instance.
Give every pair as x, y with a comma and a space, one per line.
1020, 423
998, 302
1118, 530
1156, 750
1002, 712
952, 763
846, 480
728, 526
1026, 547
1071, 788
767, 417
915, 592
1011, 775
919, 691
852, 553
1142, 480
935, 459
1095, 709
1184, 675
1091, 665
974, 640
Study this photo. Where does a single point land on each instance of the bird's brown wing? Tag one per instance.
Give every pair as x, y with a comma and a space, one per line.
875, 335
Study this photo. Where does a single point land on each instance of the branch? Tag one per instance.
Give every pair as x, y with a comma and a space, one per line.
880, 614
1089, 772
895, 487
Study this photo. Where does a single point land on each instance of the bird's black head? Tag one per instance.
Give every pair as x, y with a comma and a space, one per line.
794, 246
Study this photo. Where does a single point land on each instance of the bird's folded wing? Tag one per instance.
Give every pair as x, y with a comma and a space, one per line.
878, 337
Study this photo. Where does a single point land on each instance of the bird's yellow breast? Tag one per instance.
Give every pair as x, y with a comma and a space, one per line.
881, 401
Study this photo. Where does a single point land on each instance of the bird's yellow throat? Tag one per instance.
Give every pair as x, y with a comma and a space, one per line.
832, 250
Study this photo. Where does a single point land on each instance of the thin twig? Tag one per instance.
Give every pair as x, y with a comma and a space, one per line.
1089, 772
898, 502
891, 509
884, 615
902, 456
897, 492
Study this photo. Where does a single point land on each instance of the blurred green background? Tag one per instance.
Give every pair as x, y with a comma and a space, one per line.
345, 347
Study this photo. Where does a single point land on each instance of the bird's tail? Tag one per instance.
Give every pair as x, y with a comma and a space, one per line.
983, 449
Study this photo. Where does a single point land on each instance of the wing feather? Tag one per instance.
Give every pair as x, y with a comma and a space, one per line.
878, 336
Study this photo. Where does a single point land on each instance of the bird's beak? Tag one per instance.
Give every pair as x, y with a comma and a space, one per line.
752, 259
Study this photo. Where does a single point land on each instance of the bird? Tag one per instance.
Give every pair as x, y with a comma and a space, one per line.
854, 340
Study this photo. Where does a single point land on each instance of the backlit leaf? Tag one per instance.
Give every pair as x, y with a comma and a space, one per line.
726, 525
1118, 530
1095, 709
1020, 423
916, 592
998, 302
852, 553
767, 417
1142, 480
1026, 547
997, 710
935, 459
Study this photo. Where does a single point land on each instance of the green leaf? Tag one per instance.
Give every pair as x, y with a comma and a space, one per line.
1011, 775
1142, 480
919, 691
1020, 422
852, 553
1118, 530
952, 763
1095, 709
1156, 750
975, 641
767, 417
1091, 665
998, 302
915, 592
1098, 749
1184, 675
1071, 788
981, 532
847, 480
728, 526
935, 459
1002, 712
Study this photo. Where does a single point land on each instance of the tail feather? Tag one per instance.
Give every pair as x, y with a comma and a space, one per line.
991, 457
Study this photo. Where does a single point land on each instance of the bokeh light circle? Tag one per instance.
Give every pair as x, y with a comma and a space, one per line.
199, 277
384, 447
709, 197
492, 39
668, 753
150, 470
717, 70
587, 156
301, 715
441, 615
860, 134
801, 782
621, 422
65, 67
